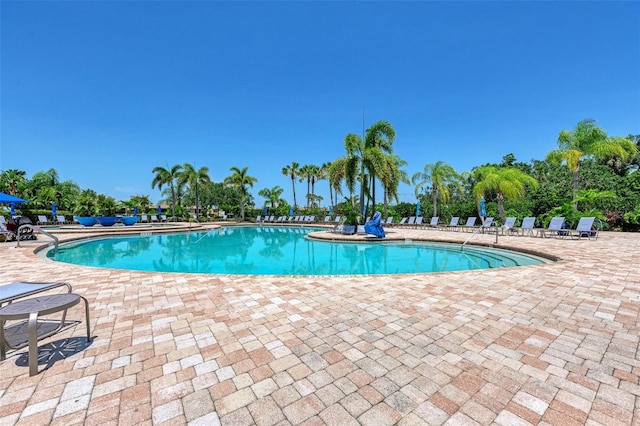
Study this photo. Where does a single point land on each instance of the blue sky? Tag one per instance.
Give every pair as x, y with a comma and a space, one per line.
105, 91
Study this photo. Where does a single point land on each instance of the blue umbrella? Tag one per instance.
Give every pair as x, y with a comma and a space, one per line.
290, 210
330, 210
159, 209
135, 210
13, 209
418, 209
6, 198
483, 207
54, 209
266, 211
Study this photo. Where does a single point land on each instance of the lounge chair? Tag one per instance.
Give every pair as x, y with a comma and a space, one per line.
453, 224
61, 219
389, 221
434, 222
42, 220
163, 217
527, 226
258, 219
471, 223
410, 222
585, 229
487, 224
144, 218
154, 218
508, 225
418, 221
555, 228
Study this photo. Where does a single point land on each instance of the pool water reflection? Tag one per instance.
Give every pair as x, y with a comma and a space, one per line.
264, 250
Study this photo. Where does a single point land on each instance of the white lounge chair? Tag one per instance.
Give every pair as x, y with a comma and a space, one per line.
61, 219
42, 220
434, 222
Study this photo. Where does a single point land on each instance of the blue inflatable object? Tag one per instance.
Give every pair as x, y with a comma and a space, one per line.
374, 227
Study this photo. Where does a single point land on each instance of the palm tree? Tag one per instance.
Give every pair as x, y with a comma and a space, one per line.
438, 176
508, 184
323, 174
305, 173
292, 171
194, 178
378, 143
239, 179
349, 168
272, 196
393, 178
167, 177
314, 173
588, 140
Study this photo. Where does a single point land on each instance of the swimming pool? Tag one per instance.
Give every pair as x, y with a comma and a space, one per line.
265, 250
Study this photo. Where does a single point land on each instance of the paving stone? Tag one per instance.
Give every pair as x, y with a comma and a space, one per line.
550, 344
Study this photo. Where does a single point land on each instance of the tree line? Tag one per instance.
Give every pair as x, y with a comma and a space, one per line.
588, 174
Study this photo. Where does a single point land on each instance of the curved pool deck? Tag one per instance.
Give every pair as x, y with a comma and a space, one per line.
548, 344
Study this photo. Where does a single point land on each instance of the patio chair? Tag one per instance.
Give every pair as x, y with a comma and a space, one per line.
556, 228
389, 221
527, 226
585, 229
42, 220
508, 225
154, 218
61, 219
434, 222
418, 222
144, 218
471, 223
453, 224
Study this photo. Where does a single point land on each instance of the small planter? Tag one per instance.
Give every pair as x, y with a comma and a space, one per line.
129, 220
86, 220
107, 220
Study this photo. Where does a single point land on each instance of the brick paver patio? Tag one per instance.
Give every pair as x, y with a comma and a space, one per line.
553, 344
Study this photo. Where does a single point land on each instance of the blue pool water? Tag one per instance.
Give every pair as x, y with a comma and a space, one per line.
263, 250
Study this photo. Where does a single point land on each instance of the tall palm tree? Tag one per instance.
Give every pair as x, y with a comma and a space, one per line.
508, 184
292, 171
439, 176
588, 140
305, 173
323, 174
240, 180
314, 173
349, 168
167, 177
194, 178
378, 143
393, 178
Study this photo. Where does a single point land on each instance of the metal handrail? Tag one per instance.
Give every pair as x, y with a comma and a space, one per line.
482, 227
39, 229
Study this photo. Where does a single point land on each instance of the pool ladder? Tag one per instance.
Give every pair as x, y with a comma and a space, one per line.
39, 229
